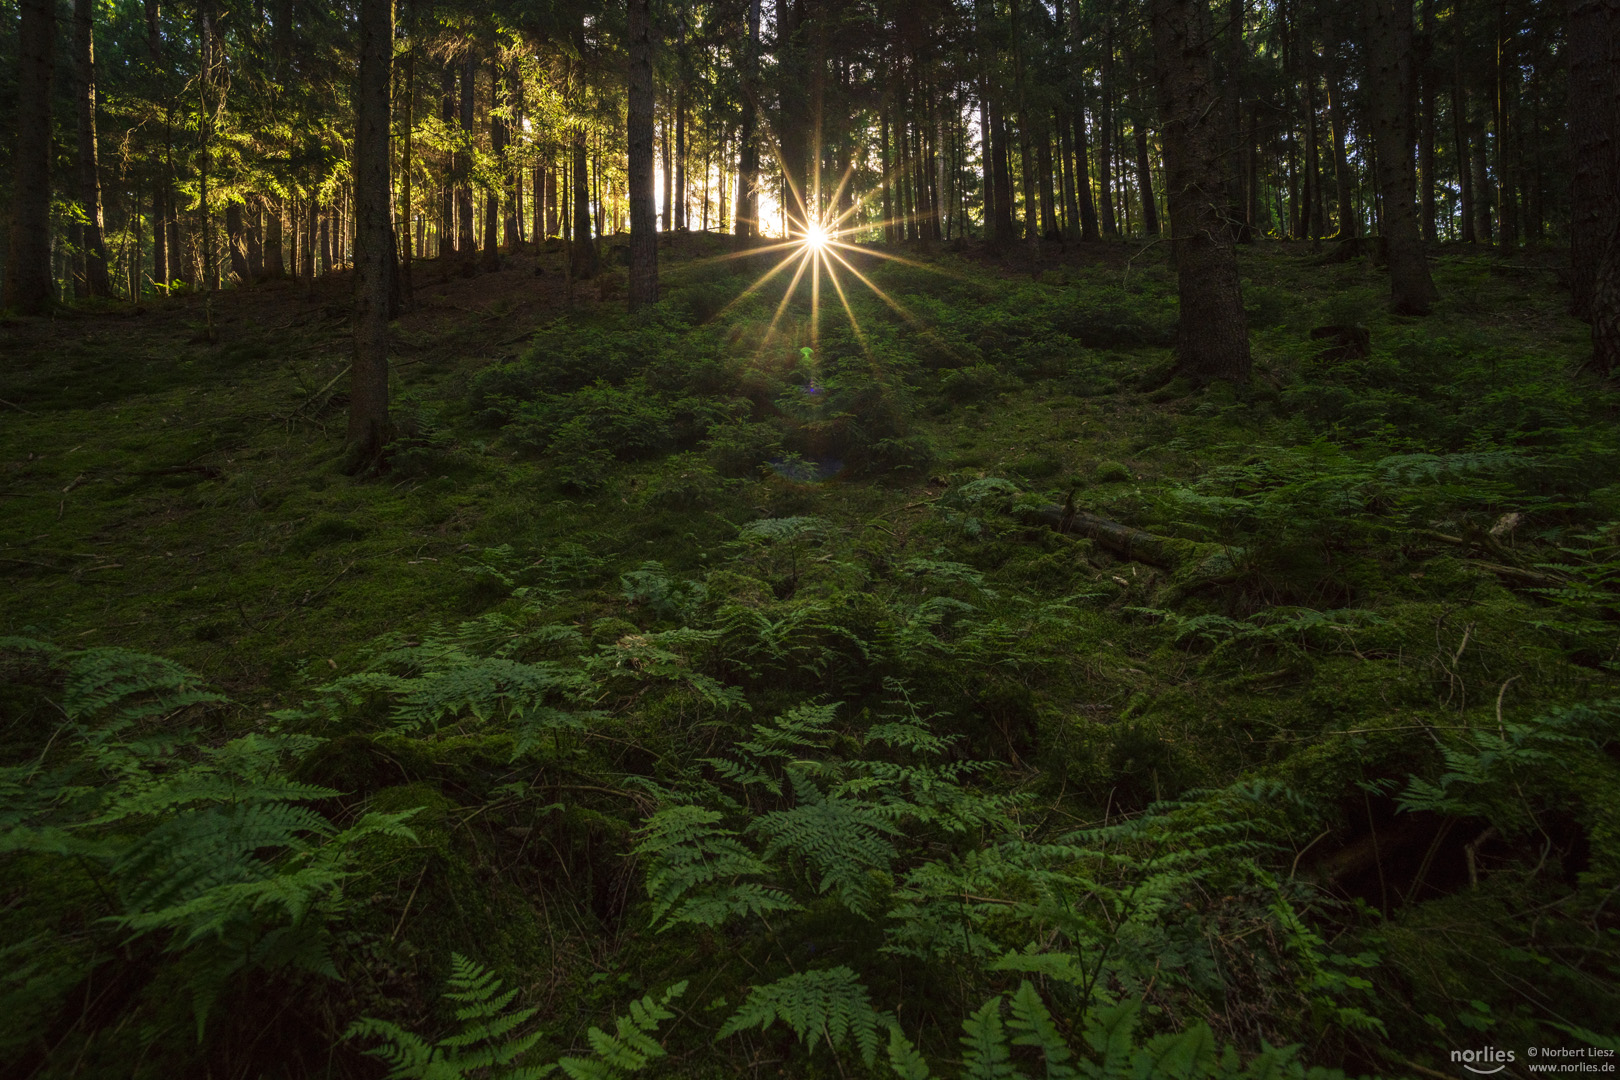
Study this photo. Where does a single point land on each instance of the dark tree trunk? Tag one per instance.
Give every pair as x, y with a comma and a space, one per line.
236, 243
1105, 133
255, 241
1234, 56
1071, 202
1594, 135
1144, 173
447, 189
1082, 177
466, 238
373, 261
1606, 308
160, 237
511, 230
275, 266
1484, 231
94, 239
582, 258
793, 123
1213, 339
491, 255
1043, 158
666, 150
1507, 215
1389, 52
746, 206
680, 147
643, 222
29, 288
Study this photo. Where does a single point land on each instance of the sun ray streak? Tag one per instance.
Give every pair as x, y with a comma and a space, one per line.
798, 275
761, 283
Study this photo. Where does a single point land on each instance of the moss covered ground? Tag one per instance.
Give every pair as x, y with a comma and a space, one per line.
1343, 781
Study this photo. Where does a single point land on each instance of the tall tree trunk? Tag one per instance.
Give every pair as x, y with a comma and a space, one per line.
511, 228
1082, 176
1105, 132
491, 256
1606, 308
1389, 54
643, 221
466, 239
582, 258
793, 123
373, 261
255, 240
666, 149
1071, 202
746, 203
1484, 230
1507, 215
29, 288
275, 266
94, 240
407, 205
1043, 159
680, 145
447, 188
236, 243
1234, 57
1594, 135
160, 237
1213, 339
1144, 172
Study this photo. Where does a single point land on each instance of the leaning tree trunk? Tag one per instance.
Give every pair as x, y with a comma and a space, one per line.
1389, 62
1213, 339
28, 260
373, 259
643, 211
1594, 135
95, 243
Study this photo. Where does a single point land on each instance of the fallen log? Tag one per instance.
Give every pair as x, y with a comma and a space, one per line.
1123, 541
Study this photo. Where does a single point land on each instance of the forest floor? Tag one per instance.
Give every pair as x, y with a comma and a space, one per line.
1386, 646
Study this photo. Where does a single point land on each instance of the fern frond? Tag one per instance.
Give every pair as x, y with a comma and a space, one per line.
829, 1005
1033, 1026
904, 1059
985, 1042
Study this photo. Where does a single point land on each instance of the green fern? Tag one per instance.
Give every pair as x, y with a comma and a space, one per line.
830, 1006
1109, 1034
695, 871
488, 1043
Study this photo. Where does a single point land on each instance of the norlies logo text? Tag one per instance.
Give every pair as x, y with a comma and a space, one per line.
1486, 1062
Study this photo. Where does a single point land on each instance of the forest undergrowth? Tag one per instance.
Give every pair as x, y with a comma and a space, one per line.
690, 698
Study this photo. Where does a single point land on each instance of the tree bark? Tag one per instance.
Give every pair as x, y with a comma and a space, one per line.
373, 261
29, 288
95, 244
466, 238
1213, 340
490, 259
236, 243
582, 257
1105, 132
1144, 172
1594, 135
746, 202
1389, 52
643, 213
